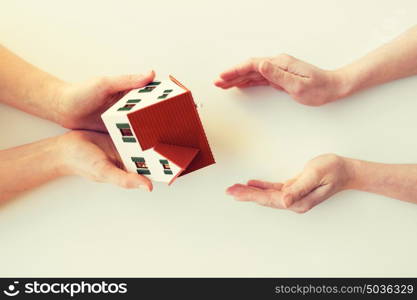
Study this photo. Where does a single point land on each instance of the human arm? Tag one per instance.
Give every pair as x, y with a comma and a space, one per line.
82, 153
327, 175
72, 105
313, 86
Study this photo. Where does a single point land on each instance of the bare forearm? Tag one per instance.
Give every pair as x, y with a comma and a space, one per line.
29, 166
395, 181
28, 88
394, 60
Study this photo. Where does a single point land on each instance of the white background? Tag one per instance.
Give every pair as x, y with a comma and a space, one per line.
72, 227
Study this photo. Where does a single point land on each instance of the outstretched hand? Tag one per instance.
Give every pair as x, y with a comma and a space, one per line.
321, 178
80, 105
305, 83
93, 156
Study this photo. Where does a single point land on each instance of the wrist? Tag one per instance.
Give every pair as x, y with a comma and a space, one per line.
344, 83
62, 153
60, 90
353, 169
50, 153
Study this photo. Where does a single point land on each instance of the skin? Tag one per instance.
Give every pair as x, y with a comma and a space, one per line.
73, 106
82, 153
313, 86
328, 174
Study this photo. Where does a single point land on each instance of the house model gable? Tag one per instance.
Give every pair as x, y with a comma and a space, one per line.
158, 132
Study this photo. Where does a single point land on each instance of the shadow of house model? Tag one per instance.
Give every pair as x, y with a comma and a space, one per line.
158, 132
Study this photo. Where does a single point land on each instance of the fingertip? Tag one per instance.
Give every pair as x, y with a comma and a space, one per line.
150, 75
230, 190
147, 184
253, 182
221, 84
150, 187
218, 82
142, 182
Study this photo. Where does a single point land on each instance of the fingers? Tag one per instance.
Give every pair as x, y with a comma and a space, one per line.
127, 82
250, 78
242, 75
296, 189
240, 70
312, 199
111, 174
270, 198
265, 184
278, 76
261, 82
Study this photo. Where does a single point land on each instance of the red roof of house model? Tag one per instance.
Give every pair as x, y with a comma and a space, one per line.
174, 122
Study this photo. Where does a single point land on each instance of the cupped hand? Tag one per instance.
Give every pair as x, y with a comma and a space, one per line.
321, 178
92, 155
305, 83
80, 105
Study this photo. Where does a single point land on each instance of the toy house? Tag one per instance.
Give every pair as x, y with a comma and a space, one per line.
157, 131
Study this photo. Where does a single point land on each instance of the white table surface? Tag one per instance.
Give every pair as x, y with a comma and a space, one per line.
72, 227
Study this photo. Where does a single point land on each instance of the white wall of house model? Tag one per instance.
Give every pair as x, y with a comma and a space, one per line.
123, 137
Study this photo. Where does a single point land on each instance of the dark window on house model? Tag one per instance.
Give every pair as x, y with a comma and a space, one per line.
165, 94
133, 101
126, 132
166, 167
154, 83
127, 106
147, 89
141, 167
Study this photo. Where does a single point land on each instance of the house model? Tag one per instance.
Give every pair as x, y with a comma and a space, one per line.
158, 132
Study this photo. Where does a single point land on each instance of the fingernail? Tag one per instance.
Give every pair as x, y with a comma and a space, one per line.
144, 187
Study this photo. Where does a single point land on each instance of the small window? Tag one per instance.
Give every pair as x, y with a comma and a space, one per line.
167, 91
166, 167
133, 101
126, 131
163, 96
154, 83
141, 166
147, 89
129, 139
126, 107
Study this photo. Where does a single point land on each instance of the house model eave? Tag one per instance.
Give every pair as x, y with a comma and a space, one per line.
157, 131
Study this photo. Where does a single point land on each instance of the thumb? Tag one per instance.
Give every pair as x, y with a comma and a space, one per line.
302, 186
127, 82
275, 74
111, 174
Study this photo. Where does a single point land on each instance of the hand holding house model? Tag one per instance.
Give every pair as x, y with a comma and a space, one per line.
157, 131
